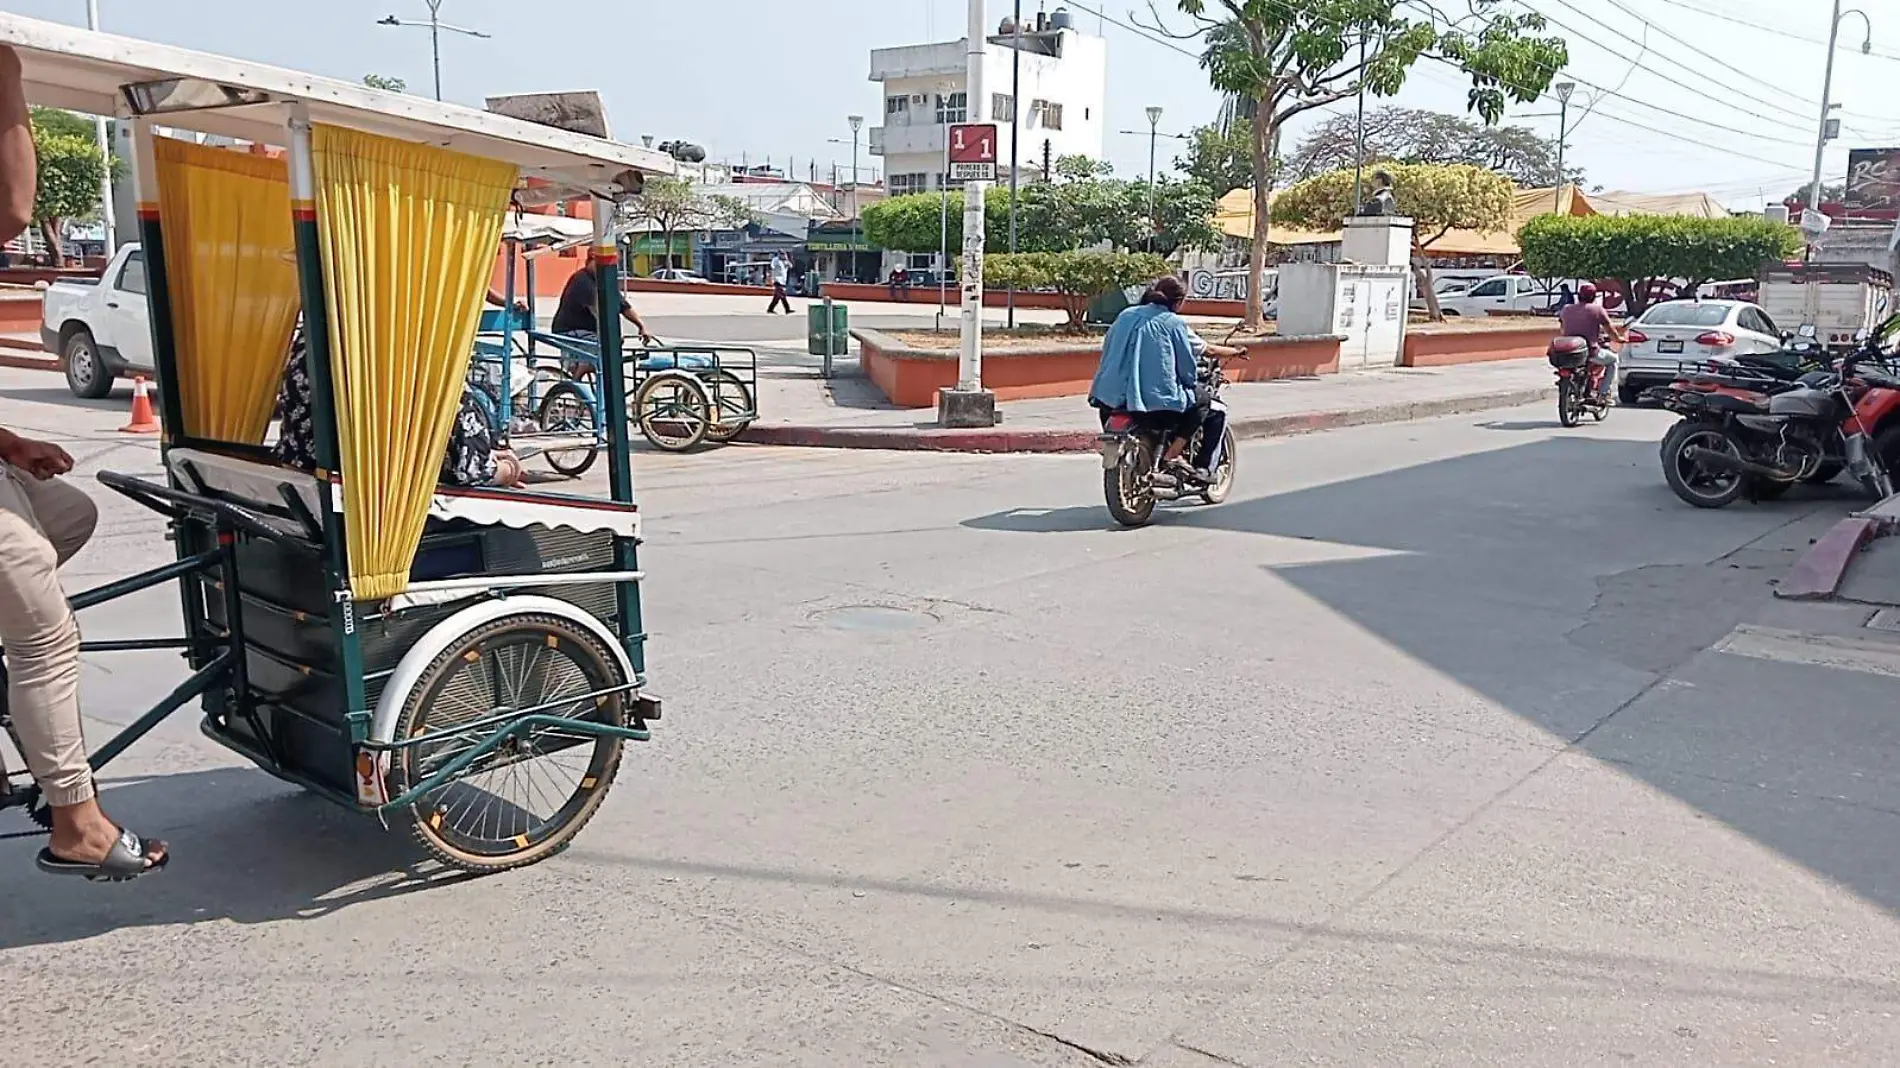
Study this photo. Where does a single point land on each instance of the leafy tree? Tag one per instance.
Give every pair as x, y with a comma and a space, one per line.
1831, 193
1221, 159
386, 82
1289, 58
1413, 135
1645, 254
1438, 197
1183, 216
1079, 277
673, 205
71, 178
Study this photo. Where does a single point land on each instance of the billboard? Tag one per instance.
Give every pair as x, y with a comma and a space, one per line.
1873, 179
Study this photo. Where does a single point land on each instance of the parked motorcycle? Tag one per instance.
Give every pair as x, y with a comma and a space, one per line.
1579, 381
1734, 441
1132, 444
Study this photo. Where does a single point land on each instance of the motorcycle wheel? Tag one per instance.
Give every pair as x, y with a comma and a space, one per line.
1223, 483
1569, 404
1687, 478
1131, 501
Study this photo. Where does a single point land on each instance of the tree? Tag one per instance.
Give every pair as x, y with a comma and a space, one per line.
1220, 159
1413, 135
1289, 58
385, 82
673, 205
1079, 277
1646, 253
71, 176
1831, 193
1438, 197
1183, 216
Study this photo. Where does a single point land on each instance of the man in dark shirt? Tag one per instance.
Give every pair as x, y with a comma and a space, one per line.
1588, 320
578, 315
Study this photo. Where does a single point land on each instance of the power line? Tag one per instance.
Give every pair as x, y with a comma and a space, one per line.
1892, 57
1742, 93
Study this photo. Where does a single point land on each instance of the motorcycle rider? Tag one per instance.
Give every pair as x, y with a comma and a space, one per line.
1588, 319
1150, 364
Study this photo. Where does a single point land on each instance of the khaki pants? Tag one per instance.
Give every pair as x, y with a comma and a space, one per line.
42, 524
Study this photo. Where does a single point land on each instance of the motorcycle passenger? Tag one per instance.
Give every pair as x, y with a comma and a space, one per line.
1150, 366
1588, 319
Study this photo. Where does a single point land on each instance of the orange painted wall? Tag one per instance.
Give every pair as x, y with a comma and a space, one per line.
1474, 346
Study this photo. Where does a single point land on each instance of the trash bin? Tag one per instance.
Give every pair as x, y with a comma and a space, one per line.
1105, 308
828, 330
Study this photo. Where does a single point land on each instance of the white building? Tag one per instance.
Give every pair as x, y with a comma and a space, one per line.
1064, 86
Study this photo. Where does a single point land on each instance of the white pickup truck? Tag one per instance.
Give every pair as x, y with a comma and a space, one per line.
1503, 293
100, 329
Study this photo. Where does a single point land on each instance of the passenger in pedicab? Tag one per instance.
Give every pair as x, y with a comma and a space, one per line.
43, 522
578, 316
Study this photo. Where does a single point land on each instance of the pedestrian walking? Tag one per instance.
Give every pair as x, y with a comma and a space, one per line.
781, 274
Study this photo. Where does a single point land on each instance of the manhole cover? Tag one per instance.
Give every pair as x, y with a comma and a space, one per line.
875, 617
1886, 619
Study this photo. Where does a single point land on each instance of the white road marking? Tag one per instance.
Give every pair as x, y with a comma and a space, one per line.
1820, 650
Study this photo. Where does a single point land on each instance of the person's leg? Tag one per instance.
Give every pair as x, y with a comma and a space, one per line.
42, 647
1212, 425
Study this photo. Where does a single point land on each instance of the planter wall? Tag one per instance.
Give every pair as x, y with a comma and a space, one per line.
910, 378
1443, 349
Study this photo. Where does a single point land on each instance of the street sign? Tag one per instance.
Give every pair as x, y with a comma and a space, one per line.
972, 152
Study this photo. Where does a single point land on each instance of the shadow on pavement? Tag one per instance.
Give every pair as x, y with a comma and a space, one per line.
1562, 580
119, 400
244, 849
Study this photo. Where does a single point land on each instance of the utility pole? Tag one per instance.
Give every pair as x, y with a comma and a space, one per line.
1015, 137
1827, 92
1359, 134
105, 153
969, 404
857, 222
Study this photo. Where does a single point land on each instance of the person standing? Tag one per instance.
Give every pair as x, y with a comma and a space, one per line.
781, 274
43, 522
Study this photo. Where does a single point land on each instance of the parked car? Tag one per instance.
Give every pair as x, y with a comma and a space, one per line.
98, 327
1668, 334
677, 274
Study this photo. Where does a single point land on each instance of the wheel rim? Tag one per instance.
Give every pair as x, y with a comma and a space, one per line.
567, 412
1702, 481
731, 404
673, 412
80, 365
531, 787
1223, 471
1130, 482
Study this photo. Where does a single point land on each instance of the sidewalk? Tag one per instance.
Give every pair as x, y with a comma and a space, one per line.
799, 408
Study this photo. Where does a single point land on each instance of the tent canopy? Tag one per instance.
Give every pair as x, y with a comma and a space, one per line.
1234, 217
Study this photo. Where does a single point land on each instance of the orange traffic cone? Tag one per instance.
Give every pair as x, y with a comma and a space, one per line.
144, 421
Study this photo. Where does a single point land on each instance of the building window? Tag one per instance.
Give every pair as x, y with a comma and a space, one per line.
897, 105
908, 183
921, 261
944, 181
1046, 114
1002, 107
954, 107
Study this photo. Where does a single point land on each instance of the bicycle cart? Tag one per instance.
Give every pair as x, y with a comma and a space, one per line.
469, 662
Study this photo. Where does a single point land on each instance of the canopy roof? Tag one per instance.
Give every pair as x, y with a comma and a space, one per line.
1234, 217
83, 70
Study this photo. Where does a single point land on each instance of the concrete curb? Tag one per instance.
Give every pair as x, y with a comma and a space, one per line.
1818, 574
1002, 439
15, 357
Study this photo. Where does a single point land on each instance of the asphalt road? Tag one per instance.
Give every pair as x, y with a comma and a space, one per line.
1415, 752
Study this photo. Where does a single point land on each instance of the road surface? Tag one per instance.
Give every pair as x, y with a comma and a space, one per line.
1418, 751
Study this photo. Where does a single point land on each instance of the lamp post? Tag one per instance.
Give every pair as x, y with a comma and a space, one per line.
1154, 128
436, 26
1015, 135
1359, 133
857, 221
1564, 89
1827, 90
105, 153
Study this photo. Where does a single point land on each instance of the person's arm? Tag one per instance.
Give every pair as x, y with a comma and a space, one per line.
19, 167
1187, 369
41, 459
627, 313
1617, 333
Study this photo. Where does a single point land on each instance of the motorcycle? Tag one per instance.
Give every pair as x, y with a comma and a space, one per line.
1132, 444
1579, 381
1734, 441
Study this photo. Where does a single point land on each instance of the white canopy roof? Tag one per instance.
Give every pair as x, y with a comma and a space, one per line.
82, 70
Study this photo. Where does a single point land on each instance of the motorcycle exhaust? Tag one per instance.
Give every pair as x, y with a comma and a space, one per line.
1722, 461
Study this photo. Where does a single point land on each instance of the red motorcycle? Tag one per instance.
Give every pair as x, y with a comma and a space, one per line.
1579, 381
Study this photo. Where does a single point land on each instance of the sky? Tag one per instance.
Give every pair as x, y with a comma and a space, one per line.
1656, 110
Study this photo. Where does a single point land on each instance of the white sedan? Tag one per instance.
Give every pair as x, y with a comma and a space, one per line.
1675, 332
676, 274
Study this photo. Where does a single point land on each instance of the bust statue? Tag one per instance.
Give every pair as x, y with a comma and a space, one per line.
1380, 201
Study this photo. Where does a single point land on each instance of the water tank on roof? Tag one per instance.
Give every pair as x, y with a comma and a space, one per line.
1008, 28
1062, 20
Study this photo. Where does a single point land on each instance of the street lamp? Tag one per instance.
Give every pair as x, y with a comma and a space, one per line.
105, 153
436, 26
1827, 90
857, 221
1564, 90
1154, 126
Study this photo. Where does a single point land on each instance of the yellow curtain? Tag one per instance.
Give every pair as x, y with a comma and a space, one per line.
231, 263
408, 234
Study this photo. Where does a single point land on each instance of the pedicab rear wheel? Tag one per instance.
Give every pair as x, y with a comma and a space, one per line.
566, 409
732, 405
528, 799
672, 410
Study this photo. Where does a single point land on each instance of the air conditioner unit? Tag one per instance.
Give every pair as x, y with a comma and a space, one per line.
919, 98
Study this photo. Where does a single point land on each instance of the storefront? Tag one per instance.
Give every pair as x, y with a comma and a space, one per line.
841, 254
647, 253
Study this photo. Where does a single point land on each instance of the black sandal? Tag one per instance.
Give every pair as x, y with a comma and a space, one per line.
128, 859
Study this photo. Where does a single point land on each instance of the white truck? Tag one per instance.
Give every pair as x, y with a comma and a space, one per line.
1838, 299
99, 328
1503, 293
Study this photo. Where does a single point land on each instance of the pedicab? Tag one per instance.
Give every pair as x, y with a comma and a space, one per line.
466, 662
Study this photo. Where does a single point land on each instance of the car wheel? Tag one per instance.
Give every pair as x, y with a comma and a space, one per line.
86, 372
